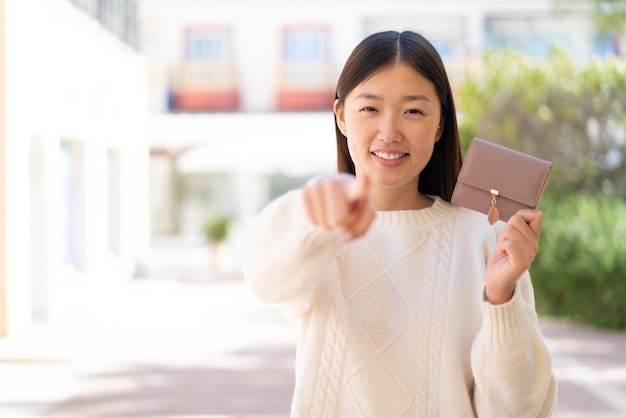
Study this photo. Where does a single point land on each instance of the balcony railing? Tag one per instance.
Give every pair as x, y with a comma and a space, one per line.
117, 16
305, 86
205, 86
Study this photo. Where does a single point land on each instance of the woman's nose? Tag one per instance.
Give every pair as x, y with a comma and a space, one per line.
389, 131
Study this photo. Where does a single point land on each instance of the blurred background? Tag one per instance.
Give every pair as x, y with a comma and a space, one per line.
139, 137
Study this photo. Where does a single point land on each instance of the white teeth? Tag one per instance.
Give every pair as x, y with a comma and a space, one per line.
386, 156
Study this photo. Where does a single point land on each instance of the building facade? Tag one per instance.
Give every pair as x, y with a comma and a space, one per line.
73, 154
122, 120
216, 65
281, 55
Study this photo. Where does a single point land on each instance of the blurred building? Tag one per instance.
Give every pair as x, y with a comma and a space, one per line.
241, 91
126, 119
73, 154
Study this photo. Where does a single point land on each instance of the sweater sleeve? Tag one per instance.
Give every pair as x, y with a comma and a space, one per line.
511, 363
285, 256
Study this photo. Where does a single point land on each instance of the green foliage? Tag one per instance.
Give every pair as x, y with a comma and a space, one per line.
610, 19
580, 271
574, 115
216, 230
571, 114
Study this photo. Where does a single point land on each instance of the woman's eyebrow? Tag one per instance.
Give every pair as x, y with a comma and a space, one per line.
369, 96
421, 97
409, 98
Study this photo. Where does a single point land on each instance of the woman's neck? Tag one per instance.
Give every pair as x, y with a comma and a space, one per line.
384, 200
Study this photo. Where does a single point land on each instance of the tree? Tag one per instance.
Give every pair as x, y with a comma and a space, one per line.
216, 231
610, 19
574, 116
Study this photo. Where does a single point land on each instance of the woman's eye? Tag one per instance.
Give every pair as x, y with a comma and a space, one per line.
415, 112
369, 109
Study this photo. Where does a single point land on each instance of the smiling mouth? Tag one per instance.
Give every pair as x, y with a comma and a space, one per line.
389, 156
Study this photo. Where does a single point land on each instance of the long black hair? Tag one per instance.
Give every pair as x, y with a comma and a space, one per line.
382, 50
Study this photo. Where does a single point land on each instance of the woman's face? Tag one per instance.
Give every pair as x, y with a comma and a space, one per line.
392, 122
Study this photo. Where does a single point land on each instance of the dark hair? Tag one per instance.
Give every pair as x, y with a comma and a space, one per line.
381, 50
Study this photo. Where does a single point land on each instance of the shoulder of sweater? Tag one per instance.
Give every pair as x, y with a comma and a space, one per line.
284, 202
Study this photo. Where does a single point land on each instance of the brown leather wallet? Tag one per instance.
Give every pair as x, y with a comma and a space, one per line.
498, 181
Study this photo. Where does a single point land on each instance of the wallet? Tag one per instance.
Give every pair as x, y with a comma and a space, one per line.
498, 181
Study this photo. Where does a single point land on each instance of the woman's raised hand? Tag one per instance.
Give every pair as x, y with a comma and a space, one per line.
515, 251
340, 202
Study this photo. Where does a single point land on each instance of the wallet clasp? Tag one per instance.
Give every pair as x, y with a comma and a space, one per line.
494, 214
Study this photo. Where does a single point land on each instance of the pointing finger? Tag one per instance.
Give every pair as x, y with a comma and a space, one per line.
358, 189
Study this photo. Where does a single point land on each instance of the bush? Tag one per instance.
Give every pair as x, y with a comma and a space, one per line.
573, 114
580, 271
216, 230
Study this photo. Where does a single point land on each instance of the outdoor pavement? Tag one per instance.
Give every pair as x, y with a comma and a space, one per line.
183, 342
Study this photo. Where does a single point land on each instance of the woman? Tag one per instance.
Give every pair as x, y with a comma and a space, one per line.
406, 304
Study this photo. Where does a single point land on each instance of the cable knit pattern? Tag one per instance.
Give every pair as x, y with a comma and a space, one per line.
440, 270
383, 324
394, 324
330, 370
388, 248
377, 392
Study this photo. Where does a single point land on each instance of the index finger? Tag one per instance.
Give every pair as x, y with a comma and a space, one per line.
358, 188
533, 217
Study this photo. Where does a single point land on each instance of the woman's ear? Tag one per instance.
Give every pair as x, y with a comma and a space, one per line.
340, 117
439, 131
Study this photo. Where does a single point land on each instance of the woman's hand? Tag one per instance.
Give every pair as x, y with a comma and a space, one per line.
516, 249
340, 202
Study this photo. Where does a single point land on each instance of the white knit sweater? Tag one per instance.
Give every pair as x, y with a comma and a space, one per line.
394, 324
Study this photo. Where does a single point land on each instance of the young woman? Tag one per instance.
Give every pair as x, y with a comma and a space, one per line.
407, 305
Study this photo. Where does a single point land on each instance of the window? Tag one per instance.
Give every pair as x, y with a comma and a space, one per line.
537, 35
206, 78
305, 45
72, 210
113, 202
213, 45
306, 75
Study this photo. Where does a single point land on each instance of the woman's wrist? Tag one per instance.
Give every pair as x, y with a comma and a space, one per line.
497, 295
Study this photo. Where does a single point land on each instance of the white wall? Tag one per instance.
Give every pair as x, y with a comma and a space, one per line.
3, 173
68, 80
